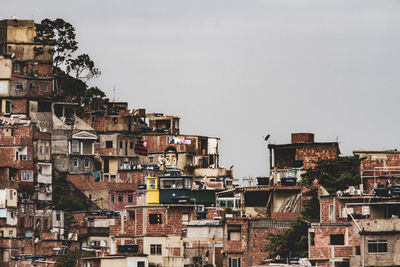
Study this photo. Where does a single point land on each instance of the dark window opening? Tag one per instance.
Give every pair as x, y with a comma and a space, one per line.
155, 218
120, 197
130, 198
44, 106
155, 249
337, 239
109, 144
312, 239
377, 246
358, 250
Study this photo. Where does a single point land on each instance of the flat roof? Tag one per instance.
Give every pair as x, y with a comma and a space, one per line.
376, 152
204, 223
295, 145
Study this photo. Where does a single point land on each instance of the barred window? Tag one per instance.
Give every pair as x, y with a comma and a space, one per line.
155, 249
377, 246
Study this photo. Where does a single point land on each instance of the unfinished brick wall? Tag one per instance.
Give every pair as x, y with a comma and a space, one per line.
372, 166
311, 154
159, 143
251, 247
322, 247
19, 106
86, 181
302, 138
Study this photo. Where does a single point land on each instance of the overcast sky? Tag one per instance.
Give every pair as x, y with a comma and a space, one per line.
242, 69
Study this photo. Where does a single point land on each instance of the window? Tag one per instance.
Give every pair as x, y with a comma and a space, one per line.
235, 262
120, 197
130, 198
131, 145
27, 176
17, 67
112, 199
75, 162
234, 232
377, 246
47, 150
109, 144
10, 232
358, 250
141, 264
152, 184
11, 195
120, 144
46, 87
58, 215
331, 212
19, 86
155, 218
75, 146
337, 239
86, 163
185, 217
41, 150
312, 239
155, 249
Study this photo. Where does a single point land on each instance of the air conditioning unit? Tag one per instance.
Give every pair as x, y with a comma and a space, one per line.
188, 244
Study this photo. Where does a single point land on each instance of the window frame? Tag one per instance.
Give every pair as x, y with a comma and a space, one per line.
75, 162
86, 163
235, 262
377, 245
331, 211
155, 249
155, 218
336, 240
109, 144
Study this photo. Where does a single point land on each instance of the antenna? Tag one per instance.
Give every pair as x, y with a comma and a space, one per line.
114, 93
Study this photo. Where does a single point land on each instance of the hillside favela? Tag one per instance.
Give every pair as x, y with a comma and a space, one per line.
88, 180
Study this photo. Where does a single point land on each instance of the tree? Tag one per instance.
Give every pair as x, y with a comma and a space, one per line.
290, 242
334, 174
71, 73
70, 259
83, 67
62, 35
311, 206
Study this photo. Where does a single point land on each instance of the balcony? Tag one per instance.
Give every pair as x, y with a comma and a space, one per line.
289, 176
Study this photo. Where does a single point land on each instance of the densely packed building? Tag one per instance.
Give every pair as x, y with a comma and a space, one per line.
155, 196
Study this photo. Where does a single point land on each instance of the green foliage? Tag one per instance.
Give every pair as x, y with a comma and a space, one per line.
70, 259
82, 67
69, 71
94, 92
311, 206
334, 174
63, 197
62, 35
290, 242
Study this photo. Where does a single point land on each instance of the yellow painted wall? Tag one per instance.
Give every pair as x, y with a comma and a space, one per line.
6, 231
153, 194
